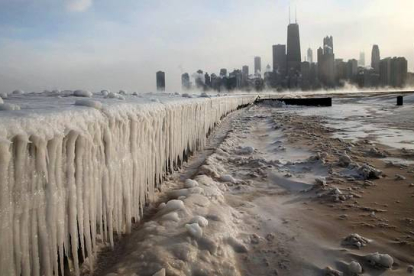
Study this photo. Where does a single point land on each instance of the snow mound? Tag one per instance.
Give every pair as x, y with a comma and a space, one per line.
113, 95
18, 92
186, 95
202, 221
204, 95
82, 93
355, 268
3, 95
122, 92
105, 92
1, 101
9, 107
380, 260
89, 103
190, 183
194, 230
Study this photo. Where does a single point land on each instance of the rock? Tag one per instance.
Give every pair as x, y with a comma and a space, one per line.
380, 260
355, 240
329, 271
355, 268
410, 269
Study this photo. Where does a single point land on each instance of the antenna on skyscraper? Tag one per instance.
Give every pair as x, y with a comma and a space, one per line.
296, 17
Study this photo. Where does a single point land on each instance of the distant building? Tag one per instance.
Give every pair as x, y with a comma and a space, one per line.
310, 55
160, 81
279, 59
207, 80
326, 63
361, 61
340, 70
399, 68
245, 76
257, 66
375, 58
352, 69
294, 57
185, 81
223, 73
306, 75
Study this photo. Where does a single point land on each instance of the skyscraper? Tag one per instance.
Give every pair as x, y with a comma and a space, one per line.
361, 61
185, 81
328, 45
326, 63
279, 59
375, 58
294, 57
160, 81
310, 56
257, 65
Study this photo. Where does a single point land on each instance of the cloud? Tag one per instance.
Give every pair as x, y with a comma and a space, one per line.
78, 5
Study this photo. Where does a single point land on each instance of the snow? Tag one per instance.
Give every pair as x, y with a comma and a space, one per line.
3, 95
68, 172
202, 221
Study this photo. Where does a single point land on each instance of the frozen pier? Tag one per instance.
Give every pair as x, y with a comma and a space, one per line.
74, 171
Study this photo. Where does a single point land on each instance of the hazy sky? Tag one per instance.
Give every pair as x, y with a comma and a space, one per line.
108, 44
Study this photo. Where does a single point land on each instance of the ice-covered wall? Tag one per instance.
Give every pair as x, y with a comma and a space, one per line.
80, 174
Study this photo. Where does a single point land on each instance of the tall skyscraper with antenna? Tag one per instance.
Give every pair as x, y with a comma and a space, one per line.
294, 57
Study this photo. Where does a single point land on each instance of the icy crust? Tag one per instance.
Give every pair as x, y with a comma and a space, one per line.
197, 235
76, 171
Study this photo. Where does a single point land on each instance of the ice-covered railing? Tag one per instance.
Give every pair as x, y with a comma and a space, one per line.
73, 175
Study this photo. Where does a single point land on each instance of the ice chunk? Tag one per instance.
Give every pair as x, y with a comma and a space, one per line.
18, 92
89, 103
202, 221
160, 273
237, 246
228, 178
3, 95
186, 95
204, 95
105, 93
82, 93
380, 260
122, 92
329, 271
194, 230
9, 107
190, 183
246, 150
173, 205
1, 101
355, 268
173, 216
113, 95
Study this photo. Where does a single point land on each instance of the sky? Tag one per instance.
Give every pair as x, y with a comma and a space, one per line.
107, 44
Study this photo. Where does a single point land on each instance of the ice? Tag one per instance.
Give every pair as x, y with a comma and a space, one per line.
8, 107
3, 95
355, 268
71, 177
202, 221
82, 93
380, 260
228, 178
160, 273
18, 92
194, 230
89, 103
189, 183
1, 101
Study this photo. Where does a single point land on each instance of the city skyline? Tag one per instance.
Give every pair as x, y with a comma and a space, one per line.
66, 56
